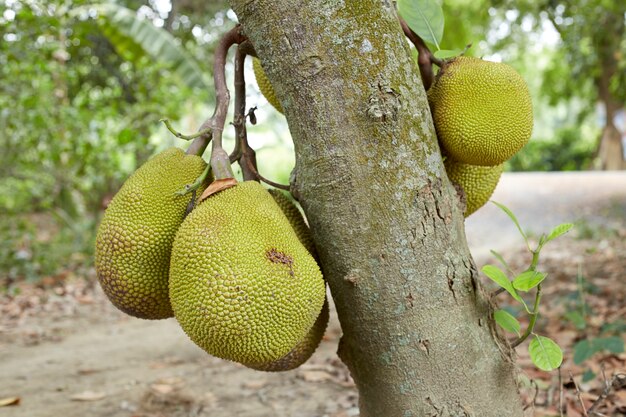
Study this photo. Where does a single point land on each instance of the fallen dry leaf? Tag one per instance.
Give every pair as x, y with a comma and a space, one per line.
167, 385
5, 402
87, 371
172, 380
166, 362
255, 384
316, 376
88, 396
85, 299
162, 389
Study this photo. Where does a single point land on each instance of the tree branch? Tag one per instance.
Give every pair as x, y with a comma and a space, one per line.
245, 154
617, 382
220, 162
579, 395
425, 58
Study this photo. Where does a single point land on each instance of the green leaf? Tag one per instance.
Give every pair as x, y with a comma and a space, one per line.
424, 17
512, 217
617, 327
585, 349
558, 231
588, 375
528, 280
447, 53
501, 279
125, 136
507, 321
545, 353
133, 37
577, 319
501, 259
613, 344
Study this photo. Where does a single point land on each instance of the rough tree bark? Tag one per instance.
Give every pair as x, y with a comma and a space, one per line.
610, 149
418, 337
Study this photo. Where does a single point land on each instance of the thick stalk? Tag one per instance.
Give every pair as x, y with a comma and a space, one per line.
247, 157
417, 335
425, 58
220, 162
534, 314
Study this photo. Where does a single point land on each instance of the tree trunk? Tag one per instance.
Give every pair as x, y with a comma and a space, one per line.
610, 149
418, 337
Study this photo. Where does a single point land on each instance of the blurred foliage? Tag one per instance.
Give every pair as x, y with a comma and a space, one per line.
34, 246
567, 151
77, 119
66, 144
592, 37
588, 62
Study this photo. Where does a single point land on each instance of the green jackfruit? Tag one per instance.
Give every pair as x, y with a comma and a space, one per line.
307, 346
296, 220
135, 236
478, 182
303, 350
482, 111
242, 286
264, 85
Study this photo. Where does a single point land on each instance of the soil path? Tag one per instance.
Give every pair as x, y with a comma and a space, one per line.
78, 357
542, 200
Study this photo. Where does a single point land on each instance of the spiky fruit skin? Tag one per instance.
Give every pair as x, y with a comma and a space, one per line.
302, 351
242, 286
296, 220
135, 236
478, 182
307, 346
264, 85
482, 111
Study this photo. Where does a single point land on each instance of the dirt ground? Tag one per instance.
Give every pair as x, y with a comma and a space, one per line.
66, 351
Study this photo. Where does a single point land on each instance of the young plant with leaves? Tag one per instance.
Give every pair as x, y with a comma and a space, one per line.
544, 352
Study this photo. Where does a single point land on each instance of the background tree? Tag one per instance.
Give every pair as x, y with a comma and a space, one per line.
589, 60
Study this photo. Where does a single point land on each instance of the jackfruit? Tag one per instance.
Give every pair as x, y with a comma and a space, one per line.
135, 236
482, 111
296, 220
264, 85
307, 346
478, 182
302, 351
242, 286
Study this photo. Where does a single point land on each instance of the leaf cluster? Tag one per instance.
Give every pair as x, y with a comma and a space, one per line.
544, 352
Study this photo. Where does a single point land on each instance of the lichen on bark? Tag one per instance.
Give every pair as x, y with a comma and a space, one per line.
418, 338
